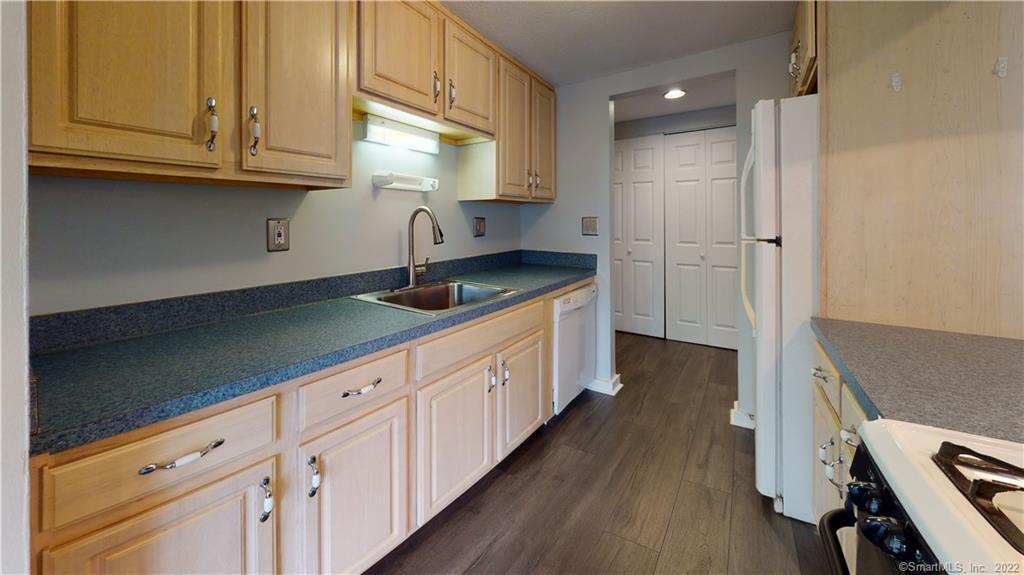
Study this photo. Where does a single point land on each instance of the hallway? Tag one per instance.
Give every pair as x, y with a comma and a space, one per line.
654, 480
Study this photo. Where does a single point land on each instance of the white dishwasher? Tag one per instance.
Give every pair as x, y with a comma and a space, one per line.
575, 344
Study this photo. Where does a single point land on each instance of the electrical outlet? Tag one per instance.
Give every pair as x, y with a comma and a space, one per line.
479, 227
589, 226
278, 238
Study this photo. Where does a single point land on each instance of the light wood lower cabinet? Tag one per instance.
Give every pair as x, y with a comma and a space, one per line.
214, 529
520, 398
456, 435
359, 512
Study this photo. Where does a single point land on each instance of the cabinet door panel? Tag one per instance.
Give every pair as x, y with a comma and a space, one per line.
399, 52
360, 511
295, 73
514, 170
215, 529
470, 68
542, 112
825, 496
455, 436
520, 394
125, 80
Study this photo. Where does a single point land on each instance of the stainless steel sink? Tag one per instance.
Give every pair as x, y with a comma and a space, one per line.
436, 298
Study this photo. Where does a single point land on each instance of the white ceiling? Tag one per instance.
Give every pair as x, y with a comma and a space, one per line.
567, 42
704, 92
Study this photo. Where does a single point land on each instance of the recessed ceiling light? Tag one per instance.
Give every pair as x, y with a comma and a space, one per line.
674, 93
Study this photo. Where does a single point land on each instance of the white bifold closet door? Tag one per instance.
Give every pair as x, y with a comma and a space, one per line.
701, 237
638, 255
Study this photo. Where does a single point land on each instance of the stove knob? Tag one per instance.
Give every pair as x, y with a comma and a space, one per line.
866, 497
886, 533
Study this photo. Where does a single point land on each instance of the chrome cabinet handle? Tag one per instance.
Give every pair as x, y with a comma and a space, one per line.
823, 450
536, 181
365, 389
211, 106
491, 378
794, 68
254, 116
849, 436
819, 373
183, 460
268, 500
437, 86
529, 180
506, 373
315, 480
451, 93
830, 473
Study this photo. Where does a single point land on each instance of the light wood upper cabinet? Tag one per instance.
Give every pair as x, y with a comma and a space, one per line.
214, 529
470, 68
455, 435
295, 73
803, 50
514, 174
360, 510
400, 52
520, 398
542, 122
126, 80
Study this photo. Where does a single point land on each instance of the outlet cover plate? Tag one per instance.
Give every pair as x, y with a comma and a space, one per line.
479, 227
278, 235
589, 226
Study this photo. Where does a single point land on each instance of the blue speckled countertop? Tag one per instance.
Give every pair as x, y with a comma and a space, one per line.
968, 383
90, 393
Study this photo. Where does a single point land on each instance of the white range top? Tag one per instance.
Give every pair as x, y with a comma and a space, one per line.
959, 536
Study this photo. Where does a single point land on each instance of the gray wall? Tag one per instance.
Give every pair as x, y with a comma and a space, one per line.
675, 123
104, 242
584, 151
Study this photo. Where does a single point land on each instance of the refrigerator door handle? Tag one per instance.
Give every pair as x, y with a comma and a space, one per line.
747, 307
748, 164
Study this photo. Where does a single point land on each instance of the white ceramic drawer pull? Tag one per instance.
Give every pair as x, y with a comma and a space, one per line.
849, 437
183, 460
362, 390
314, 483
823, 451
268, 499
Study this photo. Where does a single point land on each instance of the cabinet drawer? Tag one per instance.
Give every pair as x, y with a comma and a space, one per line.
84, 487
827, 376
448, 351
342, 392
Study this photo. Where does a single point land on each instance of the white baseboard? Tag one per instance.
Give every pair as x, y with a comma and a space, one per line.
606, 386
740, 418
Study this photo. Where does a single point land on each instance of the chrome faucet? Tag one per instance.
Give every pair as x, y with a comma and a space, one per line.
416, 270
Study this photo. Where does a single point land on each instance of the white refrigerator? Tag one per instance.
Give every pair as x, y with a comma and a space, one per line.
779, 294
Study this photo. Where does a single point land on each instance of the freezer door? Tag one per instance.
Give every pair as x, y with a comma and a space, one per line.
766, 367
765, 184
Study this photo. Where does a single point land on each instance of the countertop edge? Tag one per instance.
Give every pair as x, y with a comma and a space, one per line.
869, 407
64, 439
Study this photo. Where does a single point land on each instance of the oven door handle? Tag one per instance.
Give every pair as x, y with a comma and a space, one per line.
828, 530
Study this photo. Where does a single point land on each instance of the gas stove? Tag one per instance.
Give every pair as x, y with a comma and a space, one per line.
931, 500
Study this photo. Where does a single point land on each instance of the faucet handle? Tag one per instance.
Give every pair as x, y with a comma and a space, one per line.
422, 268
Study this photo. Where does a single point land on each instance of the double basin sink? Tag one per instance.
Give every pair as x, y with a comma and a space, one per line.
437, 298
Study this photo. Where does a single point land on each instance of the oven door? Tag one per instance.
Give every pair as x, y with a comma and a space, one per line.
868, 558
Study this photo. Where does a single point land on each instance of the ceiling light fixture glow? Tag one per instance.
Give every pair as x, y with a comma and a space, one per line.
674, 93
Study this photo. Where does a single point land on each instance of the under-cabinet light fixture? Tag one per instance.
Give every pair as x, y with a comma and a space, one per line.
674, 93
391, 133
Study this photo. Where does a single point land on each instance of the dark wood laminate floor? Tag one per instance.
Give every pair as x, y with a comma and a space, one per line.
654, 480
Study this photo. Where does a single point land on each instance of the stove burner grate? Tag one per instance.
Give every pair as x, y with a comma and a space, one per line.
981, 492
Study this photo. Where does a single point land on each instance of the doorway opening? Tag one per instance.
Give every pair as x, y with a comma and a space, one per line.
675, 224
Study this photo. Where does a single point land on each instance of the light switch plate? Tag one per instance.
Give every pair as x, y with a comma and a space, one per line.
278, 236
479, 227
590, 225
